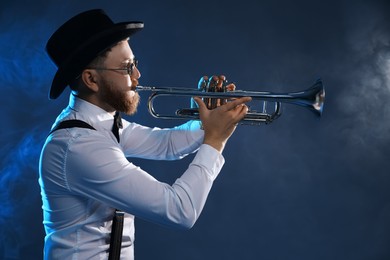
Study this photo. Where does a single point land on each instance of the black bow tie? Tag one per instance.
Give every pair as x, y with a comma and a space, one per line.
117, 124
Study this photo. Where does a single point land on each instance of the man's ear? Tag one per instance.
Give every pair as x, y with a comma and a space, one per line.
90, 79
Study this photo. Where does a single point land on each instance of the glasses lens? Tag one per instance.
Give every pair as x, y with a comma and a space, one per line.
131, 66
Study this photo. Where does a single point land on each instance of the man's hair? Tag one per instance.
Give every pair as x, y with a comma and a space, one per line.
98, 61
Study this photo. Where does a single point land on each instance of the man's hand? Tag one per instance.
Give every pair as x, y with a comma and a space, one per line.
220, 122
214, 84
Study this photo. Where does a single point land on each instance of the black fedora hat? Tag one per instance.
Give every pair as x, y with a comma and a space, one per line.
81, 39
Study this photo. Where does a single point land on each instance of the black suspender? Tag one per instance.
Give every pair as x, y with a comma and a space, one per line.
70, 124
117, 221
116, 236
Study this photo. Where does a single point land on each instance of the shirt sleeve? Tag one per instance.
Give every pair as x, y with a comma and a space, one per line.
161, 144
98, 169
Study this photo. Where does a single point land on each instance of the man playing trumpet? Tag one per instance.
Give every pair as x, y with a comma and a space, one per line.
88, 186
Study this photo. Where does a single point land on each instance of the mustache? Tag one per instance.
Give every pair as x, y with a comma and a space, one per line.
134, 83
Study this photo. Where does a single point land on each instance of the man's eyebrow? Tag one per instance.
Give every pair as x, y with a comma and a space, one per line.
129, 60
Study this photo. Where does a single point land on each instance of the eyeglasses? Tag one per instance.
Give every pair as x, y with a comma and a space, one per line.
129, 68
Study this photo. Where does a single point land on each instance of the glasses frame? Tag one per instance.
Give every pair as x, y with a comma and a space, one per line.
129, 69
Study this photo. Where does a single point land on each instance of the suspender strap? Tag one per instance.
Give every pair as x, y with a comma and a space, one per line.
116, 236
70, 124
117, 221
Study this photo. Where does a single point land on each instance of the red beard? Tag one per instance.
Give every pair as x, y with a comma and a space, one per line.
118, 99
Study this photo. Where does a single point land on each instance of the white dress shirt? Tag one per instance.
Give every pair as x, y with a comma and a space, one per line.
85, 176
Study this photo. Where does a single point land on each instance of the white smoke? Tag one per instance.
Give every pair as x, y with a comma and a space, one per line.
364, 99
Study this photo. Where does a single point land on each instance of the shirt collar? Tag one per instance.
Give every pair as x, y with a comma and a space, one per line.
90, 113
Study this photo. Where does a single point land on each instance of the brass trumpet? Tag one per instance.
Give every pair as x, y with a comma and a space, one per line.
312, 98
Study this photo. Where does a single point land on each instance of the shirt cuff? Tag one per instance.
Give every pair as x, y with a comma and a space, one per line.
209, 159
193, 130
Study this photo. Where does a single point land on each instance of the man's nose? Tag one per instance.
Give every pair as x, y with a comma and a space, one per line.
136, 73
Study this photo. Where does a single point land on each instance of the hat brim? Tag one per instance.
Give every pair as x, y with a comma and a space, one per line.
85, 53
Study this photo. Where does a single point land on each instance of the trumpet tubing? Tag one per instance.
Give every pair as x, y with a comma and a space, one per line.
312, 98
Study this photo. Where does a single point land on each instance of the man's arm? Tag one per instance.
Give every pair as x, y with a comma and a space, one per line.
161, 144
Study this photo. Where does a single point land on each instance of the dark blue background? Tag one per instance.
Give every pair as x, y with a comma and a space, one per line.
300, 188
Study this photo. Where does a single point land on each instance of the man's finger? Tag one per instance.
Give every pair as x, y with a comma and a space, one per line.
200, 103
236, 102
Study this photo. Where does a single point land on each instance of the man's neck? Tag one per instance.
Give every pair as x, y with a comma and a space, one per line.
94, 100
